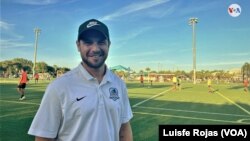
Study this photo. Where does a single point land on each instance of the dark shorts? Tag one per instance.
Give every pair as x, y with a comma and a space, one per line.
21, 86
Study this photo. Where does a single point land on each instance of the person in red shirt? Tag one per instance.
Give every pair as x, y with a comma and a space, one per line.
246, 83
36, 78
22, 83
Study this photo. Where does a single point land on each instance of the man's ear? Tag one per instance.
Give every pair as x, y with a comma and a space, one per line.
78, 45
109, 43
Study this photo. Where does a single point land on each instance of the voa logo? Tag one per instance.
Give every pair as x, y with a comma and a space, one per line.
234, 10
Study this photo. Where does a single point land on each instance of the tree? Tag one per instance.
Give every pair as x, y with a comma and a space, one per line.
141, 72
245, 70
41, 67
51, 70
148, 69
12, 67
20, 62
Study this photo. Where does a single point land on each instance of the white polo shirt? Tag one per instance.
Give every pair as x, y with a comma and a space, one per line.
75, 107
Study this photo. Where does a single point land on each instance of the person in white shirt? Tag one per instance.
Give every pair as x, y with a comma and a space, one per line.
88, 103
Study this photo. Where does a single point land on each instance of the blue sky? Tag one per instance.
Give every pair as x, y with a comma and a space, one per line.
144, 33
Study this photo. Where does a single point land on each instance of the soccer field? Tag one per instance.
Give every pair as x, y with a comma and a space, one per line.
151, 106
191, 105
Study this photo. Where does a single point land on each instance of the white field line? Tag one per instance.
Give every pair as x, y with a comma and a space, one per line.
192, 118
190, 111
17, 114
151, 98
20, 102
242, 120
237, 105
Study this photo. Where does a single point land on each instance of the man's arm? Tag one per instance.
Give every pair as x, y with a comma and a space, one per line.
20, 79
126, 132
43, 139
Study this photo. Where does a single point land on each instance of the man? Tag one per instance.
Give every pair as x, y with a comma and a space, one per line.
209, 85
36, 77
179, 83
174, 82
246, 83
89, 103
142, 80
22, 83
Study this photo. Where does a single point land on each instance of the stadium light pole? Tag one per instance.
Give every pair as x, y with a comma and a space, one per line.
192, 22
37, 32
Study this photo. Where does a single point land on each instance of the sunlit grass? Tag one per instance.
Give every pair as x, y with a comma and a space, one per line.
193, 104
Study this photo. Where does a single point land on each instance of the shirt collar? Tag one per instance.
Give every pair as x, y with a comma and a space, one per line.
107, 76
85, 73
89, 77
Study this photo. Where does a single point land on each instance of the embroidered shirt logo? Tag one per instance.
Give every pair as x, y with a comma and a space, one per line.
113, 94
92, 23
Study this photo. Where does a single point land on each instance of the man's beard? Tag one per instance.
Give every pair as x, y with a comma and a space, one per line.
94, 65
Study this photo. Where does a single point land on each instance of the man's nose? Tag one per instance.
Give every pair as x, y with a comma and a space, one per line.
95, 46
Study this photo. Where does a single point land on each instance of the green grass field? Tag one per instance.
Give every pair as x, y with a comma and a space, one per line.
151, 106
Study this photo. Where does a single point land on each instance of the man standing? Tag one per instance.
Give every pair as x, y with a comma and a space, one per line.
22, 83
142, 80
36, 77
94, 106
209, 85
246, 83
179, 83
174, 79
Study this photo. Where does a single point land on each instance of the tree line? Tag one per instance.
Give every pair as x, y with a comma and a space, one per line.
11, 68
204, 74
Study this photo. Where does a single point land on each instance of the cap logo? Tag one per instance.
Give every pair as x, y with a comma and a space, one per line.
92, 23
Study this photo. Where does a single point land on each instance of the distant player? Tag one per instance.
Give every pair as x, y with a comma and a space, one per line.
209, 85
179, 83
22, 83
36, 76
142, 80
246, 84
174, 82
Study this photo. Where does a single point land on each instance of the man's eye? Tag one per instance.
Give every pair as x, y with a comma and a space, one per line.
102, 43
